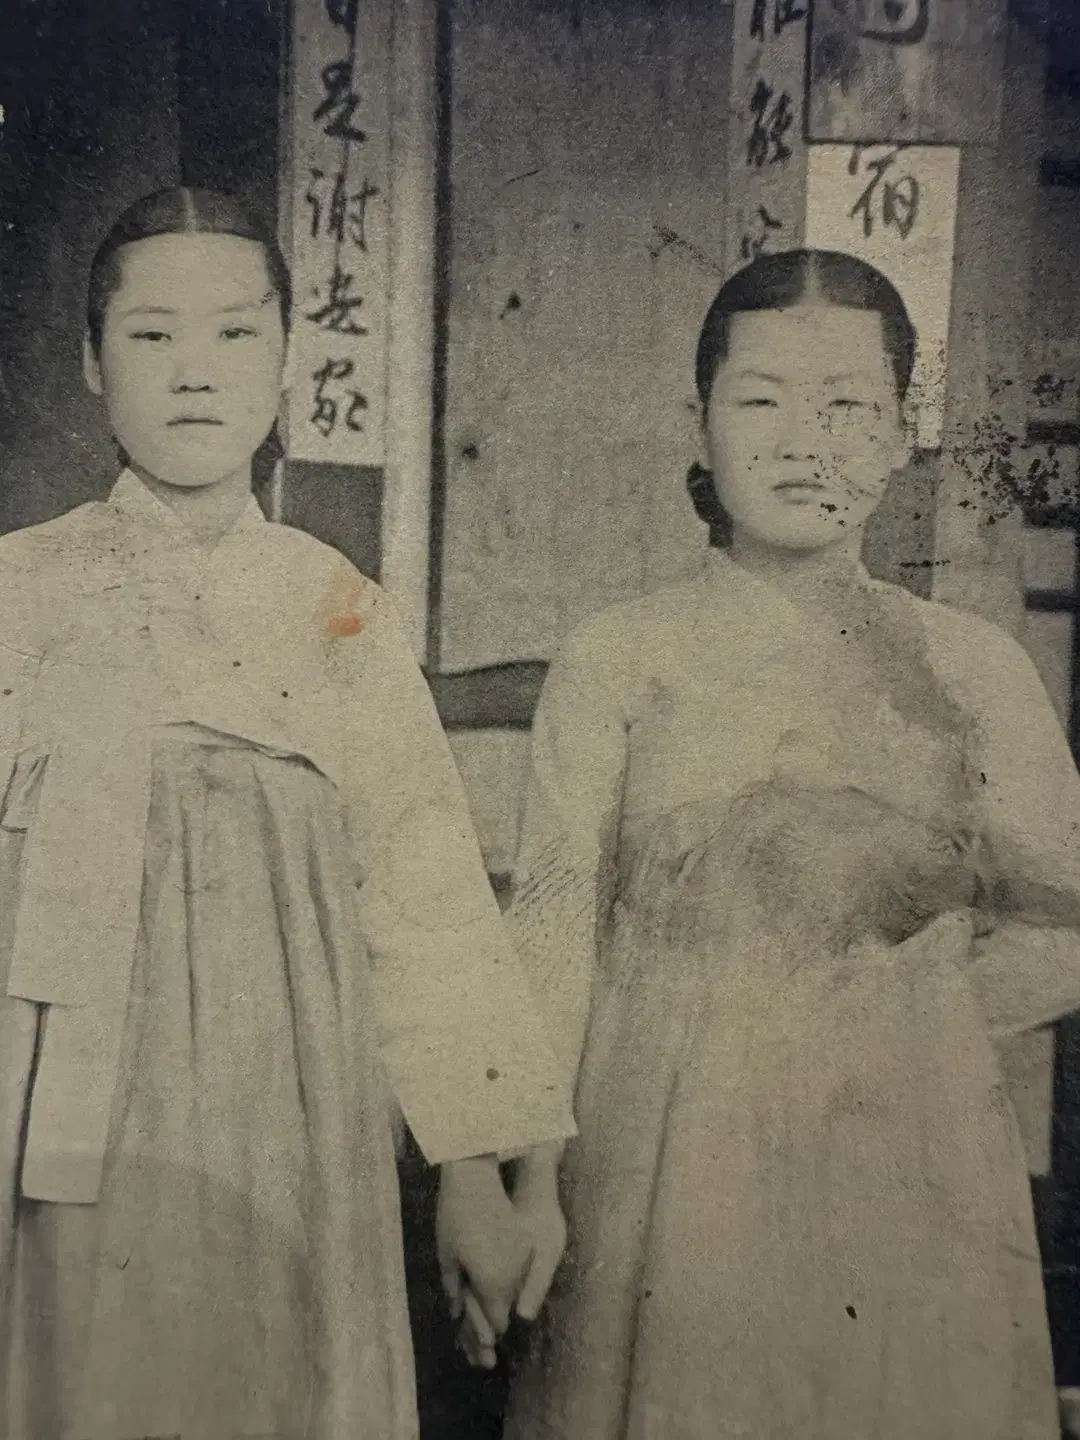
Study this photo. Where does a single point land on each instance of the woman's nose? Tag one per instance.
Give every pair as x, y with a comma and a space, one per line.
803, 426
192, 371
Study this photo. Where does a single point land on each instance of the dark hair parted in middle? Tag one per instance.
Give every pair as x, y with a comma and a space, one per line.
791, 277
180, 211
780, 281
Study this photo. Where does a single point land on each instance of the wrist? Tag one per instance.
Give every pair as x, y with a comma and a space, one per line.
475, 1171
537, 1171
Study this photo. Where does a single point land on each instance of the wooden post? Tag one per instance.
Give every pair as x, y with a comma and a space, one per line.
978, 528
410, 356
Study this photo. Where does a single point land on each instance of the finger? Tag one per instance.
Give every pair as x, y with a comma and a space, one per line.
477, 1336
450, 1274
545, 1262
476, 1354
494, 1302
469, 1345
477, 1318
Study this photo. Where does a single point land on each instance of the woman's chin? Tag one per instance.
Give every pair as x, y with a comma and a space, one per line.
189, 477
806, 538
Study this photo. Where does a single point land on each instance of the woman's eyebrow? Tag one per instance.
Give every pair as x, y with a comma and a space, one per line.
271, 295
268, 298
760, 375
147, 310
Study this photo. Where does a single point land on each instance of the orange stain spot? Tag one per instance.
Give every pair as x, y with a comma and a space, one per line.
340, 626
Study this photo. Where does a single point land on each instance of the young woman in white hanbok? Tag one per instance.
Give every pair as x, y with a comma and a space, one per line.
798, 848
243, 913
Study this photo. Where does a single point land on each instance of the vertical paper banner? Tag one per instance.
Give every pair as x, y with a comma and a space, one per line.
767, 157
338, 119
895, 206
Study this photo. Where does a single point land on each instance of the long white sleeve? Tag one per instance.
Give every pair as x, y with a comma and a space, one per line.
464, 1045
1027, 969
563, 872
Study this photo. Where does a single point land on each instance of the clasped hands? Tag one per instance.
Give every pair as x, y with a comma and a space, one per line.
498, 1252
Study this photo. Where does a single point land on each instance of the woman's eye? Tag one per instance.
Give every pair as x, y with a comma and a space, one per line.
153, 335
846, 402
757, 402
237, 332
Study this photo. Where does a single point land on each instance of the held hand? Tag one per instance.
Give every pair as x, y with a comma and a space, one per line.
539, 1211
536, 1200
482, 1247
475, 1336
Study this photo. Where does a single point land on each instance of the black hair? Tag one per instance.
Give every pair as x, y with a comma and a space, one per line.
180, 211
778, 281
185, 211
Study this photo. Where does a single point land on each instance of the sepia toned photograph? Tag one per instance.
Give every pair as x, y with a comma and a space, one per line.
539, 719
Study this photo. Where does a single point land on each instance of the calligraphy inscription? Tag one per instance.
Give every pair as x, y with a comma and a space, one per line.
755, 242
339, 104
892, 203
343, 214
338, 312
772, 117
334, 402
337, 198
772, 126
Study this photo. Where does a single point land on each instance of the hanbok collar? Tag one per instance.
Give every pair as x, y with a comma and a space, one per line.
134, 499
725, 572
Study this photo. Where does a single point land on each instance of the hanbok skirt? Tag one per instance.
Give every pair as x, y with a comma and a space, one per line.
241, 1274
799, 1206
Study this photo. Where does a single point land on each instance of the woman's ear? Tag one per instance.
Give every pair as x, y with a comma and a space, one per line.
92, 368
699, 439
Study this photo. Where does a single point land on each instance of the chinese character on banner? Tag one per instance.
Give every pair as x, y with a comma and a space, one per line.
335, 403
772, 118
887, 198
756, 240
339, 117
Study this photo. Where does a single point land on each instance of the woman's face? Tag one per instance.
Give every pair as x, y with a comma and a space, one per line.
192, 356
803, 427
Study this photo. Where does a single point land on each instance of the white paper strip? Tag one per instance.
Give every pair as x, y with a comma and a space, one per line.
335, 228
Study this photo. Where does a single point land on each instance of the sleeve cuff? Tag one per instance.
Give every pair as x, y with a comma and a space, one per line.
468, 1110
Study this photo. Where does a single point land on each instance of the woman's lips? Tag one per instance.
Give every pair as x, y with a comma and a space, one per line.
799, 489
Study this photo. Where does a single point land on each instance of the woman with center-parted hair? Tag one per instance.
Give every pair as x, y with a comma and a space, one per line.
243, 906
797, 848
